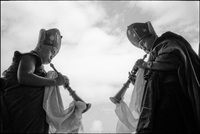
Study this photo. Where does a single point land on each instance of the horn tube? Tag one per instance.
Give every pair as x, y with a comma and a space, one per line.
120, 94
72, 92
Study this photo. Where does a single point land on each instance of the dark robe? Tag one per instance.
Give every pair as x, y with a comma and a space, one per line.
22, 106
171, 99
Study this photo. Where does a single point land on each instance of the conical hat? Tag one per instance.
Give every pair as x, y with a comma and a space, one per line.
138, 31
51, 37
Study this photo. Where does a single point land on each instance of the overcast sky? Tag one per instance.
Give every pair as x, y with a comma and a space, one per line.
95, 53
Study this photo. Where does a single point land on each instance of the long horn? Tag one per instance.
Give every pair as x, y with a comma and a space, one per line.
120, 94
72, 92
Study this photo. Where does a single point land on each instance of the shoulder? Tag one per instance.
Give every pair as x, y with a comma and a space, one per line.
167, 46
170, 41
29, 56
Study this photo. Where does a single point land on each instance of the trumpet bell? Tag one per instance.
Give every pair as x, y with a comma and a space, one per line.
120, 94
115, 100
88, 106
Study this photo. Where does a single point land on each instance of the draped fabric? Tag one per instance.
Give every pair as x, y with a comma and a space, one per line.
128, 115
21, 105
171, 96
61, 120
171, 100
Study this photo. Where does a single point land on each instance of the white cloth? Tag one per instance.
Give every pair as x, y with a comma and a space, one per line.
128, 115
60, 119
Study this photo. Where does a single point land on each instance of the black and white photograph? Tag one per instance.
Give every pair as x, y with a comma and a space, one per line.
100, 67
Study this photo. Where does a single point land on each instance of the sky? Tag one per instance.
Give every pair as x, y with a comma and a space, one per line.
95, 54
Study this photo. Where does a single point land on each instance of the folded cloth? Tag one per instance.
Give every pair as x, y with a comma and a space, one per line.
60, 119
127, 122
128, 115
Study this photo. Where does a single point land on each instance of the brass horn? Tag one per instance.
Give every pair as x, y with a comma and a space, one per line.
72, 92
120, 94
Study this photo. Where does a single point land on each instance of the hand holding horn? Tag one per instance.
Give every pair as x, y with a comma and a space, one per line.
120, 94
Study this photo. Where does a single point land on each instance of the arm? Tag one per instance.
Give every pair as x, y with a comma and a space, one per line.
26, 76
164, 62
167, 59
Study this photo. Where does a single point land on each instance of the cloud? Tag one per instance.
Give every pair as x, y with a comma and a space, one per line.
72, 18
181, 17
95, 54
21, 22
98, 65
97, 126
168, 13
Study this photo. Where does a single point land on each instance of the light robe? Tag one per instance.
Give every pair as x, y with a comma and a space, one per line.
61, 120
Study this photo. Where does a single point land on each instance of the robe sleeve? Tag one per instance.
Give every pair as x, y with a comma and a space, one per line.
167, 59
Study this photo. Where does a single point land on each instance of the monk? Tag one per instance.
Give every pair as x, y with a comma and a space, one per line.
23, 84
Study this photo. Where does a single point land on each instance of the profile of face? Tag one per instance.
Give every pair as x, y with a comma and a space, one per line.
142, 35
146, 44
49, 44
48, 53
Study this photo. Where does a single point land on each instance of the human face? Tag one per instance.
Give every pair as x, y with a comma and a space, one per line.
143, 45
146, 44
48, 53
53, 52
